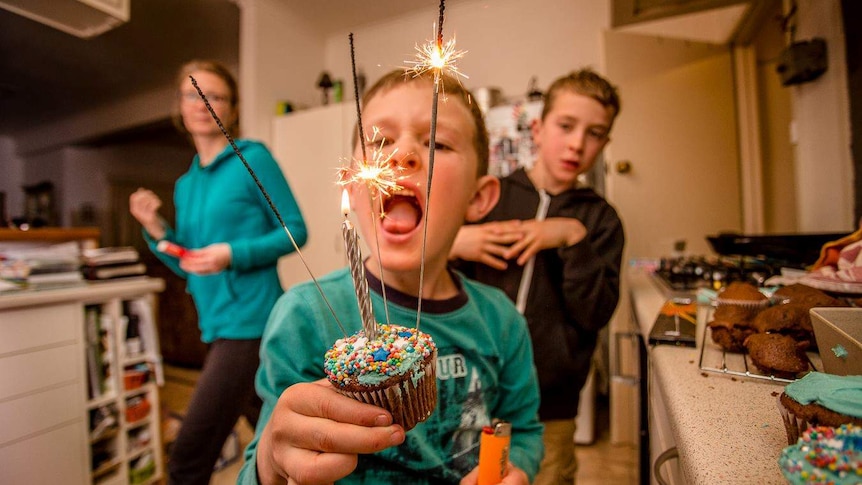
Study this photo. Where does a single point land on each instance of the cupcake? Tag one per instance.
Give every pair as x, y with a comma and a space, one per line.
824, 455
820, 399
396, 371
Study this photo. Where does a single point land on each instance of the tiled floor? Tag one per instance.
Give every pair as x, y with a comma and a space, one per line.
600, 463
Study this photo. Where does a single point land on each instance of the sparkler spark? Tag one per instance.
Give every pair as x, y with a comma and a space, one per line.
378, 173
432, 56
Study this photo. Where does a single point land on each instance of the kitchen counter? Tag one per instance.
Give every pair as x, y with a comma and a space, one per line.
85, 291
727, 429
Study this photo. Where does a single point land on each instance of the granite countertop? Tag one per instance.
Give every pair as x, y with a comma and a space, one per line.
727, 428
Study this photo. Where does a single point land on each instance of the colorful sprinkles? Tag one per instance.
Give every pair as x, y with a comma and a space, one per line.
356, 360
825, 455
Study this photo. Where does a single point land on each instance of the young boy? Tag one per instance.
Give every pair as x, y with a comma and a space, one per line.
310, 433
567, 244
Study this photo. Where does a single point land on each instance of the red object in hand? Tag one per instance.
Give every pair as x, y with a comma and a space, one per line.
171, 249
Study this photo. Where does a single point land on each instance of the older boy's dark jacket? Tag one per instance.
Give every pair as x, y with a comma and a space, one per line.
574, 290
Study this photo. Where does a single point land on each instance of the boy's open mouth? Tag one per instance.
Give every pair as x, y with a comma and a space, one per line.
402, 213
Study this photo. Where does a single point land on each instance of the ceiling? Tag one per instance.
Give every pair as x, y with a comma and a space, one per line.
46, 74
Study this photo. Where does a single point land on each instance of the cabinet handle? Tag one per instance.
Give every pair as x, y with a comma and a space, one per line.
624, 167
660, 460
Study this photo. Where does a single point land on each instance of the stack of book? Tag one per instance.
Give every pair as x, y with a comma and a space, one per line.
112, 262
38, 263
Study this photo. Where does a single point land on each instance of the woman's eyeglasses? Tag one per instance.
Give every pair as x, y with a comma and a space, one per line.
191, 97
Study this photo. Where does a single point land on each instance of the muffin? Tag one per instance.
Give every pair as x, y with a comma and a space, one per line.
743, 294
790, 319
396, 371
808, 296
820, 399
777, 355
731, 325
824, 455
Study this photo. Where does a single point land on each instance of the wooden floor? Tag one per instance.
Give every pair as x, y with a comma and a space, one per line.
599, 463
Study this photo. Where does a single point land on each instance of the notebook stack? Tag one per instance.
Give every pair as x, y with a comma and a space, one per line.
112, 262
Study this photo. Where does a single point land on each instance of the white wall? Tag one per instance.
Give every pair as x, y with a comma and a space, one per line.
508, 42
824, 167
280, 60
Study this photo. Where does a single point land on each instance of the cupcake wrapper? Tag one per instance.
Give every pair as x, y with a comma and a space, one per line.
794, 426
410, 401
743, 303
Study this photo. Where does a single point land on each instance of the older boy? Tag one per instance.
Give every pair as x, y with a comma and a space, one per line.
567, 242
311, 434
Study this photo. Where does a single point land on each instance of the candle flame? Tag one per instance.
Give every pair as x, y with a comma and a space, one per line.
345, 202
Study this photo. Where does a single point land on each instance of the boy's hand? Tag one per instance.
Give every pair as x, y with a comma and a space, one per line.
514, 476
315, 434
553, 232
486, 243
208, 260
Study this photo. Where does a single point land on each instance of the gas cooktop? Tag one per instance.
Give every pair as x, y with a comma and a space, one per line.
690, 273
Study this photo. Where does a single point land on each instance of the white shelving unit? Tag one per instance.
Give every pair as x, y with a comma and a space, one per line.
50, 414
123, 408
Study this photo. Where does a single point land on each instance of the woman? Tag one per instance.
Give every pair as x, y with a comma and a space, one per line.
234, 241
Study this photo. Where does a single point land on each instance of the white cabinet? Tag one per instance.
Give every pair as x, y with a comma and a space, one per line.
310, 146
78, 385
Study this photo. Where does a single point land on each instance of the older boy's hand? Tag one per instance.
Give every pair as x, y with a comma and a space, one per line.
514, 476
315, 435
553, 232
486, 243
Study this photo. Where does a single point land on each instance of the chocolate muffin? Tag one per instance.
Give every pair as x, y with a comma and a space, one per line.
791, 319
741, 293
731, 324
806, 296
777, 355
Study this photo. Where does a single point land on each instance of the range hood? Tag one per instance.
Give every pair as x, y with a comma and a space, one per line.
81, 18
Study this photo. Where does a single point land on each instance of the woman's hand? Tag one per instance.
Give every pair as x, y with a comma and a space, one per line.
486, 243
514, 476
144, 206
315, 435
208, 260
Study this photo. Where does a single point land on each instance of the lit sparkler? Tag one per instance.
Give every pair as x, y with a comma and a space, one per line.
439, 62
378, 173
437, 57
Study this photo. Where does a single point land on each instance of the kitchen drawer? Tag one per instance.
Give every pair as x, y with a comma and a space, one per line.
58, 456
40, 411
35, 371
36, 327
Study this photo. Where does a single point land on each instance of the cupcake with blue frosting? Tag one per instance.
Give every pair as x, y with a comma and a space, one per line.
395, 370
820, 399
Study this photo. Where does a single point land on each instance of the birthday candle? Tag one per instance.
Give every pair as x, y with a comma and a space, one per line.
357, 270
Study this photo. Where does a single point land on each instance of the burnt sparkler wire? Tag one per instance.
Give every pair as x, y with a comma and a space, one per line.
365, 160
266, 196
431, 146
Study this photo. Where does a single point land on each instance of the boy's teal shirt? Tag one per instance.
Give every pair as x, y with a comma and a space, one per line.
484, 370
221, 203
